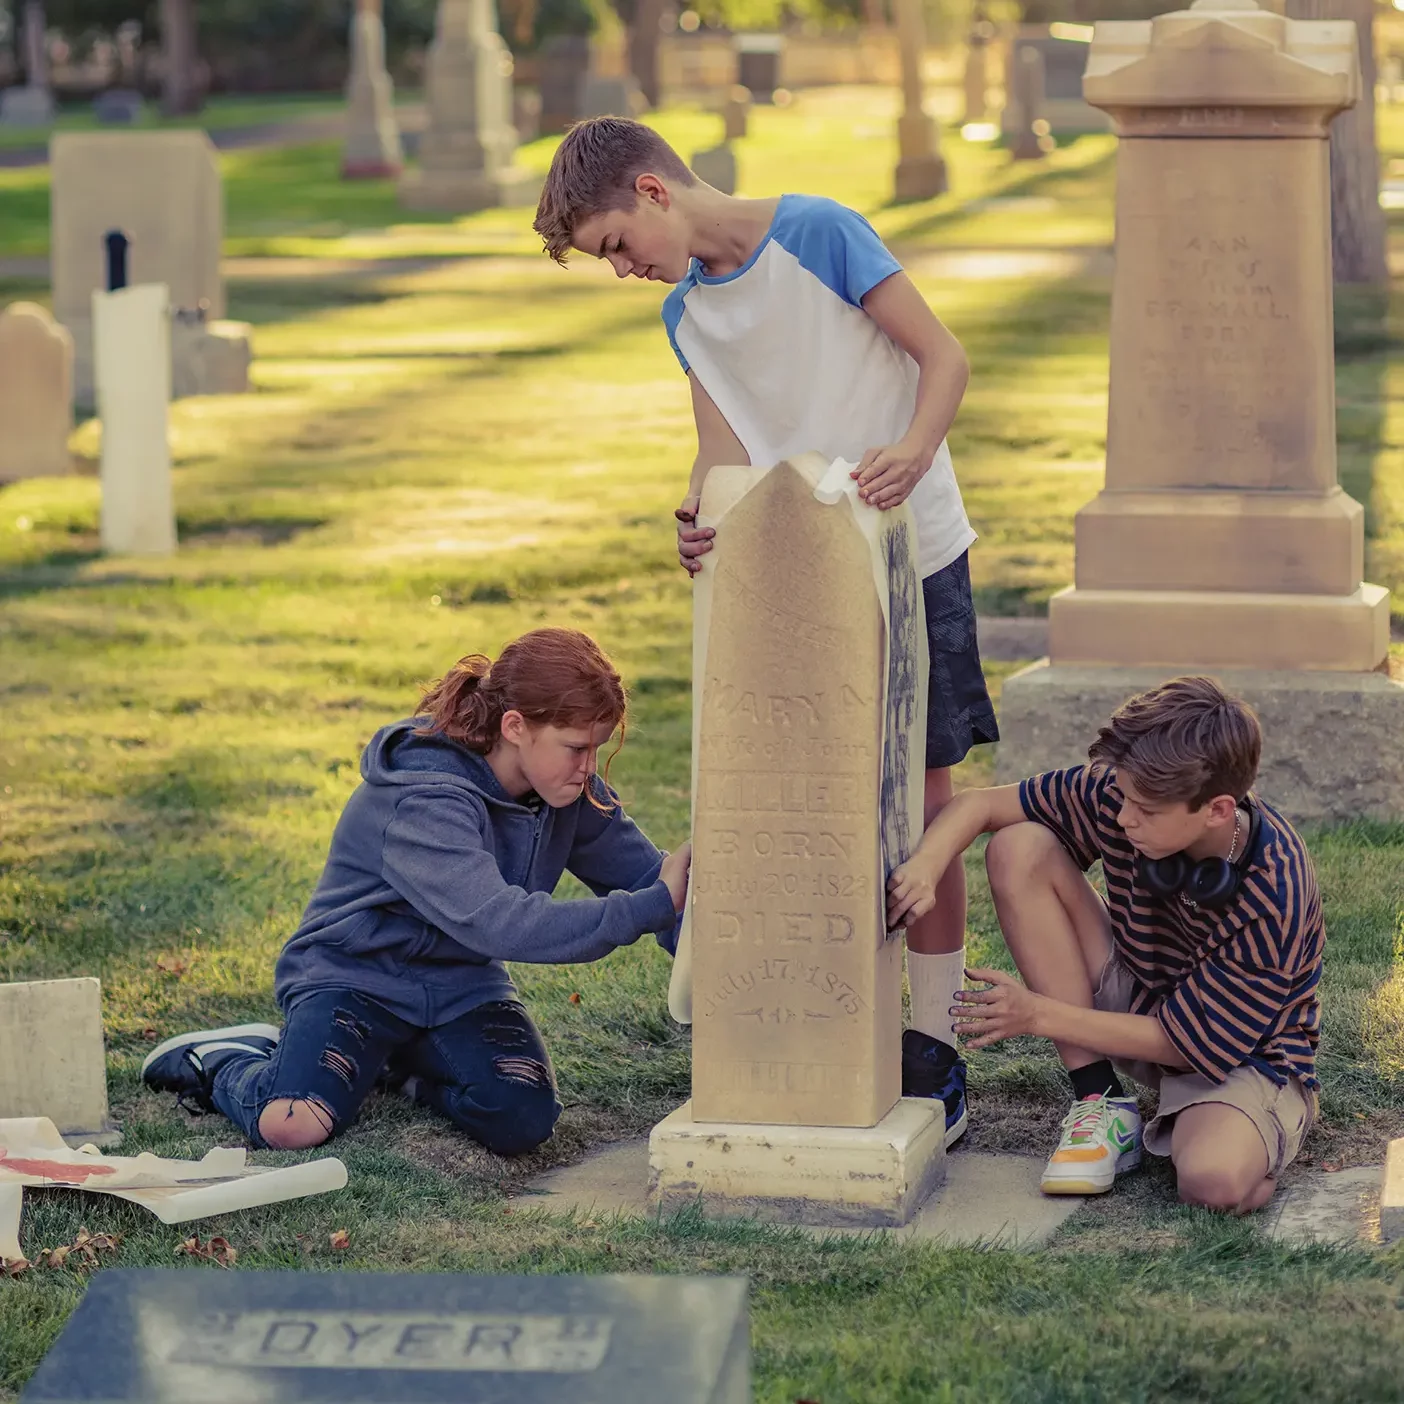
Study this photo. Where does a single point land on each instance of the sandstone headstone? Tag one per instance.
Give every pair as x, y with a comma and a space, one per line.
921, 170
467, 154
564, 65
372, 149
809, 707
36, 393
164, 189
52, 1062
132, 341
717, 166
162, 1336
1223, 540
611, 97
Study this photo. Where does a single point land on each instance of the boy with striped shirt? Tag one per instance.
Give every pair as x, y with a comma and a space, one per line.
1196, 975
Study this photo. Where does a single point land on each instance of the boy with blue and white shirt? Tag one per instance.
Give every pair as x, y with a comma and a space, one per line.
798, 330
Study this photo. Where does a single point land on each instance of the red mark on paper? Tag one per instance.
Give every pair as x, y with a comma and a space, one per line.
53, 1169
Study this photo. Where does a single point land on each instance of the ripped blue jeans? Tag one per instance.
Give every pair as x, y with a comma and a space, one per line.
488, 1071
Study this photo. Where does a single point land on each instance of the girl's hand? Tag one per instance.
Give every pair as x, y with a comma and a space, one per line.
986, 1016
886, 476
693, 541
676, 867
911, 892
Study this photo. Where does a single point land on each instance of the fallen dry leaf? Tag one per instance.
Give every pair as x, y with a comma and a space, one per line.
150, 1035
575, 998
83, 1252
216, 1250
12, 1267
1330, 1166
340, 1241
174, 964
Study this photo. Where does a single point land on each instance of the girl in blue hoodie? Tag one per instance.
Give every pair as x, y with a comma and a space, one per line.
441, 869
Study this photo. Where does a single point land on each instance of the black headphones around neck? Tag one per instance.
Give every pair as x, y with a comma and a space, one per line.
1210, 883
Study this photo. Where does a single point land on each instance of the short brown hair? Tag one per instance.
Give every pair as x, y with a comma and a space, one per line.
1186, 740
594, 170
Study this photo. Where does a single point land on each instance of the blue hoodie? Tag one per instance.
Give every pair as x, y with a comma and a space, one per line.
436, 876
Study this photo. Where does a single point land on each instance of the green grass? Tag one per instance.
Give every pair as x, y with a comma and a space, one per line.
431, 463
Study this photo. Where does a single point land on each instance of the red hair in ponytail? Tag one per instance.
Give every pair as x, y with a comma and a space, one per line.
553, 677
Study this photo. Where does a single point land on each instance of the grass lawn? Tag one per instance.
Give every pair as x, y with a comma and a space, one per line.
435, 460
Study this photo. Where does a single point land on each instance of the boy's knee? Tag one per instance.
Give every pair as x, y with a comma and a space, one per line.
300, 1124
523, 1121
1214, 1184
1020, 852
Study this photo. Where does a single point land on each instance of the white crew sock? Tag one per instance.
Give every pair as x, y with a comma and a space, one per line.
934, 979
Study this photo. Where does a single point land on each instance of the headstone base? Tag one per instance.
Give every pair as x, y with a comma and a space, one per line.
27, 107
866, 1176
463, 192
920, 178
1333, 743
1190, 630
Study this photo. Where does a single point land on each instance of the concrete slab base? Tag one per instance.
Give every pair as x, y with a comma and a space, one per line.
1049, 715
1339, 1208
863, 1176
1392, 1193
987, 1200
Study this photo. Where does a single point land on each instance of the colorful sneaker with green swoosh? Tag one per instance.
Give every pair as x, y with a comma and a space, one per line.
1101, 1139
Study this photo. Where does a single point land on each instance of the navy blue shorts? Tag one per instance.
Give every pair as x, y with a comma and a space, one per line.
959, 713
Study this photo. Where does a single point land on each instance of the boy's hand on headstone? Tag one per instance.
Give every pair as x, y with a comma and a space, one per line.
676, 867
983, 1017
693, 541
886, 476
911, 893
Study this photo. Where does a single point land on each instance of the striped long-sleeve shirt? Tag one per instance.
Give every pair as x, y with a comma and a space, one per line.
1232, 987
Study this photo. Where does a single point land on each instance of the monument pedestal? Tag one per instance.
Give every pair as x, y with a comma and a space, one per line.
1331, 741
864, 1176
372, 138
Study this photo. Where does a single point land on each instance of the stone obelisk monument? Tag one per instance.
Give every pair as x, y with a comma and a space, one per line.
372, 139
466, 155
921, 169
1222, 541
806, 791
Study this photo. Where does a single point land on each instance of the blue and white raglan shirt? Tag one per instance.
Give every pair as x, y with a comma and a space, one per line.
789, 357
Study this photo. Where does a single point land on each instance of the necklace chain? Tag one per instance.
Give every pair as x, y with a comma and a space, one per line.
1189, 902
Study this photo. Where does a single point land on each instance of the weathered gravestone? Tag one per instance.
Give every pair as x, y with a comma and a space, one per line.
372, 149
717, 166
563, 64
921, 169
164, 190
736, 113
170, 1337
611, 95
31, 105
52, 1061
36, 393
809, 709
1028, 129
1223, 541
118, 107
1063, 106
467, 154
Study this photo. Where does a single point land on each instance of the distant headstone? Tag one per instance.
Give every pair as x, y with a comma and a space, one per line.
36, 394
717, 166
610, 97
564, 65
467, 154
118, 107
26, 107
372, 138
758, 64
1029, 135
1064, 60
208, 358
164, 190
736, 112
526, 113
52, 1061
164, 1336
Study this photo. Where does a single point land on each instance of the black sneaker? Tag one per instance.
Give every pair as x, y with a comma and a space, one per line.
185, 1064
931, 1068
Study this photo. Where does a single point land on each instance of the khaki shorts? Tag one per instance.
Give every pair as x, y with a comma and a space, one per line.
1282, 1113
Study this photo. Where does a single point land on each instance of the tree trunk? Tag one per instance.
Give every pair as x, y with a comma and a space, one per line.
1357, 222
180, 89
643, 48
874, 14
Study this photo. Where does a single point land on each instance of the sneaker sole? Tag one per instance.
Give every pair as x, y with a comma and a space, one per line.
269, 1031
1128, 1160
957, 1130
